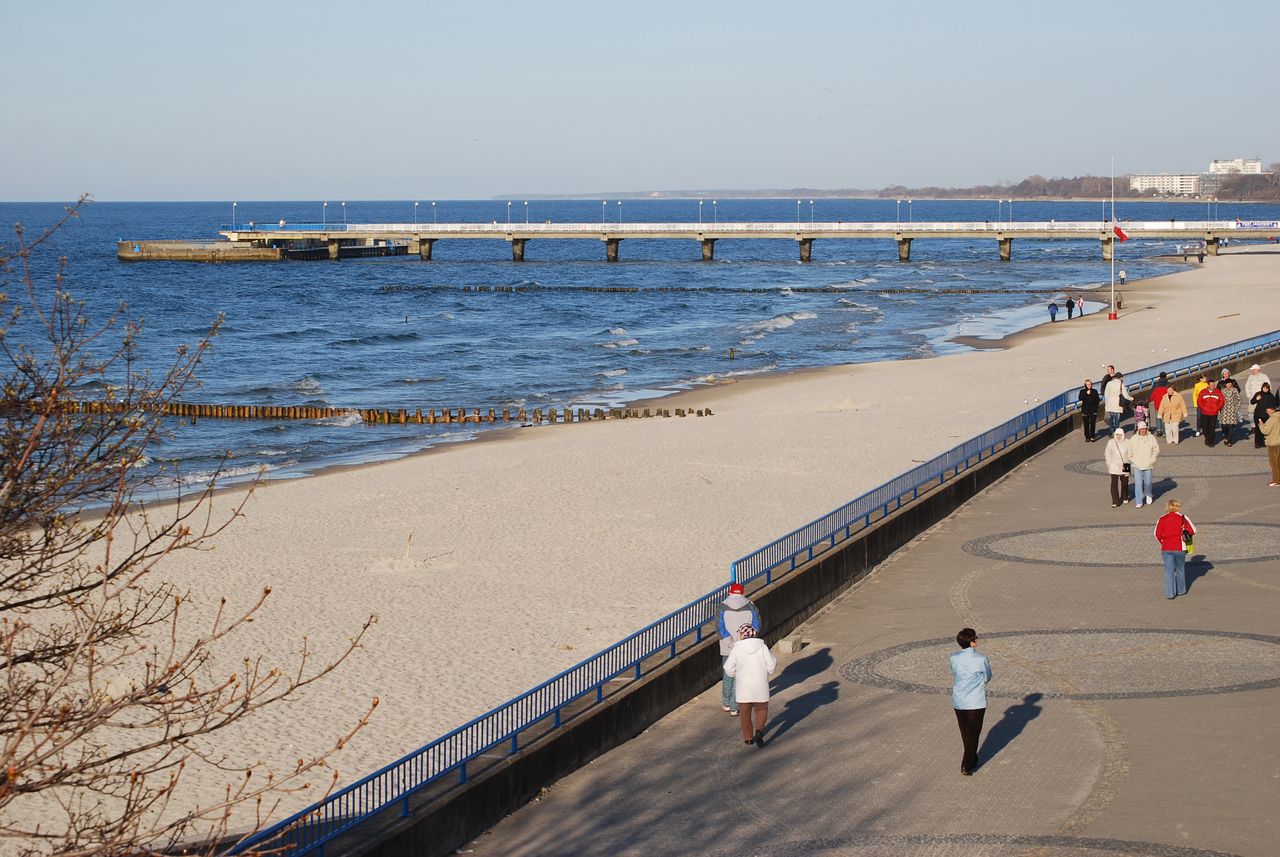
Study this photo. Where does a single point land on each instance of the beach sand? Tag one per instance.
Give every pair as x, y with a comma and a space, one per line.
494, 565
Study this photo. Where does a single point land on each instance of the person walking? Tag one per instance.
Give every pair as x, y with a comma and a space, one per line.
1271, 435
1173, 410
1089, 401
1071, 308
1053, 311
1231, 411
735, 610
970, 672
1202, 384
750, 664
1209, 403
1170, 528
1116, 456
1112, 397
1253, 382
1080, 305
1106, 379
1158, 390
1261, 401
1143, 452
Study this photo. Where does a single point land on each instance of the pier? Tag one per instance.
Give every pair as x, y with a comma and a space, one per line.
282, 240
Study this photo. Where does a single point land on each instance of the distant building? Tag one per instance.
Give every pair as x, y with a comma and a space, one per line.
1187, 184
1252, 166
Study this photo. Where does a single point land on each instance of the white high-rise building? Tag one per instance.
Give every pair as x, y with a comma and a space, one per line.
1252, 166
1166, 183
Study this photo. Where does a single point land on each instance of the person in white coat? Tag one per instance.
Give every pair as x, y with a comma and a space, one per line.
1117, 457
1112, 404
751, 663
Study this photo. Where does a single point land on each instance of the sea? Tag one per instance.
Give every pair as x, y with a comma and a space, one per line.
472, 329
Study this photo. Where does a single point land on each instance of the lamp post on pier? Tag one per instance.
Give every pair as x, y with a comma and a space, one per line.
999, 210
619, 212
1011, 211
344, 213
797, 214
898, 213
715, 212
233, 214
324, 215
433, 213
526, 212
910, 216
415, 213
810, 212
604, 206
699, 212
508, 212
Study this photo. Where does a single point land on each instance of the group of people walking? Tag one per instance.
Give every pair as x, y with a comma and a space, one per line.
1073, 305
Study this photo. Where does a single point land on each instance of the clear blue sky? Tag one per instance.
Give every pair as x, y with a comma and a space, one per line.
401, 100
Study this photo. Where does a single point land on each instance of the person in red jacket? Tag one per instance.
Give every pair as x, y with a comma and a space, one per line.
1209, 402
1157, 396
1169, 530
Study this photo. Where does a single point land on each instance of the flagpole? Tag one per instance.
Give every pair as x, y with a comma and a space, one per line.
1113, 315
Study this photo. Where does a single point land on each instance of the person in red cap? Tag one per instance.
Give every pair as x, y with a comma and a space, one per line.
735, 611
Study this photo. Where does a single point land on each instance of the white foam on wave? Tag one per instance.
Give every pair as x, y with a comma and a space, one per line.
611, 373
617, 331
625, 342
350, 418
780, 322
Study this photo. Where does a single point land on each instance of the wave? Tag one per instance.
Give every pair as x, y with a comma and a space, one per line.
378, 339
430, 379
611, 373
780, 322
615, 331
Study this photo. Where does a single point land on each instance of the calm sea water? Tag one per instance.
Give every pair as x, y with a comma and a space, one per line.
397, 332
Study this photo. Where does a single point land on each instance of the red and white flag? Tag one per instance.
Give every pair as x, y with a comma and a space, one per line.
1120, 233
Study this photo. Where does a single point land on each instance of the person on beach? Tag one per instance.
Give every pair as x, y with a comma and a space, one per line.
1071, 308
1209, 403
1143, 452
735, 610
1122, 276
1173, 410
1231, 411
750, 664
970, 672
1169, 533
1261, 401
1089, 401
1271, 435
1116, 455
1080, 305
1202, 384
1053, 311
1113, 397
1157, 395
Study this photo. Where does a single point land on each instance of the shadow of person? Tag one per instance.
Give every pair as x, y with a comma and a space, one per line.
1196, 567
1163, 486
801, 707
1015, 719
803, 668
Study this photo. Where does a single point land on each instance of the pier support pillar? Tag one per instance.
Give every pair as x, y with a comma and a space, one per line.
1006, 249
806, 248
708, 249
611, 249
1107, 249
1211, 245
517, 249
904, 249
424, 248
333, 250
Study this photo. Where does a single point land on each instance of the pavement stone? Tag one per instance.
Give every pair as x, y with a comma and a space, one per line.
1118, 722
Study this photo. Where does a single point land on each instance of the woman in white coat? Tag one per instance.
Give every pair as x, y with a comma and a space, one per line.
1117, 458
751, 663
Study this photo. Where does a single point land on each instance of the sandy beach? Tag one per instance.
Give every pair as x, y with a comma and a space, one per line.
494, 565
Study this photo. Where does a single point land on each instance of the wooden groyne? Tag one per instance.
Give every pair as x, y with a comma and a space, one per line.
391, 416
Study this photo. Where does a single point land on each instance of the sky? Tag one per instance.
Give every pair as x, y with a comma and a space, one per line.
469, 100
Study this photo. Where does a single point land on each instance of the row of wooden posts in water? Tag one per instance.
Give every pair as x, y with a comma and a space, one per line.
402, 416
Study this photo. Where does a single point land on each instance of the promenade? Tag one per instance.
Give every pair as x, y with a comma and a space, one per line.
1118, 722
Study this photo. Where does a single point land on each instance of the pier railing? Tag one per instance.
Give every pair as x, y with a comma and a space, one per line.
545, 707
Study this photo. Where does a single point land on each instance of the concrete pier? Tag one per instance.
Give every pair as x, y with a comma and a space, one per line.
301, 241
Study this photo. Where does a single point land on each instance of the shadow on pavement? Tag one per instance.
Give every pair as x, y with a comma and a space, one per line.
1015, 719
1197, 567
803, 668
801, 707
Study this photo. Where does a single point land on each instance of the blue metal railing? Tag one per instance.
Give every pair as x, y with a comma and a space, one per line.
277, 226
306, 832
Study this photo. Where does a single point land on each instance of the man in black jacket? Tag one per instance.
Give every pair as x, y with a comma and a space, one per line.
1089, 401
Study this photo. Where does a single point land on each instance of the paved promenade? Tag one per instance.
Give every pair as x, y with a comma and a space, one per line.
1118, 722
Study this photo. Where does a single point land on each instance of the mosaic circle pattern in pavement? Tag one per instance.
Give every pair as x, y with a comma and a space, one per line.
1100, 663
1128, 545
1206, 466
